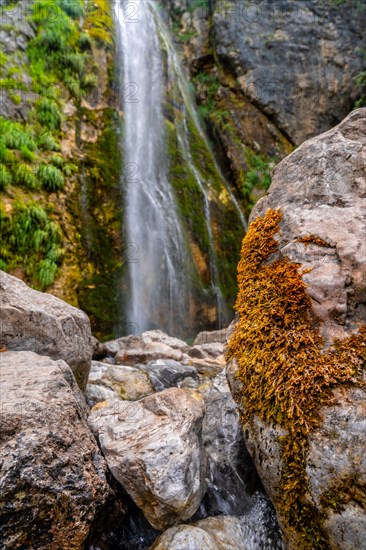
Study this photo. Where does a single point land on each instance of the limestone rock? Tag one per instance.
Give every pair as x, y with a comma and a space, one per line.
126, 382
52, 475
211, 337
296, 62
149, 346
153, 448
321, 191
167, 373
42, 323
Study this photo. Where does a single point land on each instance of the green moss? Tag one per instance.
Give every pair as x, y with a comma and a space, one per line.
286, 372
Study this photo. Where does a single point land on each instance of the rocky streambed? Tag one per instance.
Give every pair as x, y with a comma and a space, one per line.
148, 453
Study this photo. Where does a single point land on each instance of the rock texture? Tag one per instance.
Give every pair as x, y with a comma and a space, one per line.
149, 346
254, 530
153, 448
125, 382
231, 474
52, 475
39, 322
321, 192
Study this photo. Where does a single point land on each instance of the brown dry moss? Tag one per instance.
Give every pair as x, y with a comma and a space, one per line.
314, 239
282, 363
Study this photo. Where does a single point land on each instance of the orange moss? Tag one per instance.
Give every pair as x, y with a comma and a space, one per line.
286, 373
314, 239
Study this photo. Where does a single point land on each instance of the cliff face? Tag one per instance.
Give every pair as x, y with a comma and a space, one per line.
59, 180
269, 75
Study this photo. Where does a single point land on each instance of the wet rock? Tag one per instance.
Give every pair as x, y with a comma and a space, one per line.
153, 448
231, 473
126, 382
257, 529
52, 475
39, 322
187, 537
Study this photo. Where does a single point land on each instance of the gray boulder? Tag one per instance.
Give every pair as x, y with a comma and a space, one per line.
52, 475
39, 322
211, 337
154, 450
320, 190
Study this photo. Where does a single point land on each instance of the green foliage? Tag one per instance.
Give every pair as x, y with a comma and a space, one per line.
47, 142
49, 114
24, 176
30, 240
5, 177
259, 172
50, 177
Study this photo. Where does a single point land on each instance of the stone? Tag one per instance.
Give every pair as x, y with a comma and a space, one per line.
126, 382
231, 473
254, 530
320, 190
165, 373
203, 351
52, 474
149, 346
187, 537
294, 62
40, 322
153, 448
211, 337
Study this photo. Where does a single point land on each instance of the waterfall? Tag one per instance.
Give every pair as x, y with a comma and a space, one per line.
161, 272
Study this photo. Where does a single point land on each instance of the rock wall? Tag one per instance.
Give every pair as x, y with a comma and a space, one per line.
298, 350
269, 75
61, 204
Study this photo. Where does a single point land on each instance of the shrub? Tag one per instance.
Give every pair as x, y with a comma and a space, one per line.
73, 8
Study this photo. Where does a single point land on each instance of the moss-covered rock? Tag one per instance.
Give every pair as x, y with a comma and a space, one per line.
298, 350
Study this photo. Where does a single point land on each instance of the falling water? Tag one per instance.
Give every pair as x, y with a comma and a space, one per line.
160, 265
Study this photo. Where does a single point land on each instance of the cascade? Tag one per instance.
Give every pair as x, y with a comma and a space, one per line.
162, 275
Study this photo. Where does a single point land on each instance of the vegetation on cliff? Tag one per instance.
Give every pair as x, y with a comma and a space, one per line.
54, 147
287, 373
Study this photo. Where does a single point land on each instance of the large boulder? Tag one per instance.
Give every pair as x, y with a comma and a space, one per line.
36, 321
299, 346
52, 475
153, 448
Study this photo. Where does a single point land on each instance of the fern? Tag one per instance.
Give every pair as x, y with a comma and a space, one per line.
51, 177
